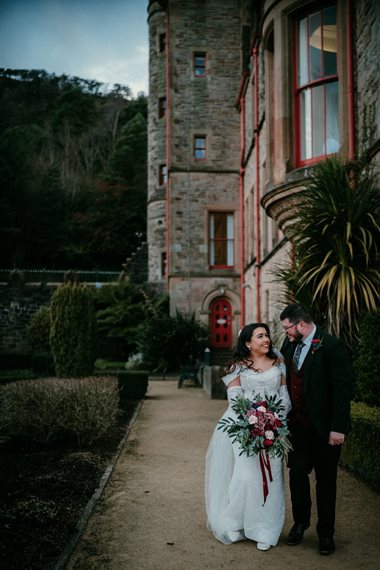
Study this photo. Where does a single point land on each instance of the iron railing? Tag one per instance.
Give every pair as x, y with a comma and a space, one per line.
57, 276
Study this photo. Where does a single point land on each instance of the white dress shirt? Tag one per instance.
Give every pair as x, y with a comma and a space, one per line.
306, 346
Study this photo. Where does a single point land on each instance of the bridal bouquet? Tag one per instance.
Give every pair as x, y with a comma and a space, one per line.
258, 426
259, 430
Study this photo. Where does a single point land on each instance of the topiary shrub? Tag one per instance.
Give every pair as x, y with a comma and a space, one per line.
367, 361
72, 334
56, 409
133, 385
39, 330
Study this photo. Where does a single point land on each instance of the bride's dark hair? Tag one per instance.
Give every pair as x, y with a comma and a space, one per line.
241, 352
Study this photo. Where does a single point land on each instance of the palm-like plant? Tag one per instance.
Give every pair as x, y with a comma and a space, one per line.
336, 241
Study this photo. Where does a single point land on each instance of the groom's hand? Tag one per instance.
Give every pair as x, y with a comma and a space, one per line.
336, 438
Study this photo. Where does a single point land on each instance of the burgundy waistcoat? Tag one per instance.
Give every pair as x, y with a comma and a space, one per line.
298, 413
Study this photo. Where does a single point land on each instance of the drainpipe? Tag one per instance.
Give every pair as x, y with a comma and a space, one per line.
257, 184
167, 189
350, 86
241, 195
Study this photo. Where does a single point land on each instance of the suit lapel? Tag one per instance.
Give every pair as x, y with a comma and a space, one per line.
310, 359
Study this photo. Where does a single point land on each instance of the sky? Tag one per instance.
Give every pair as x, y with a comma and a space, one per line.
105, 40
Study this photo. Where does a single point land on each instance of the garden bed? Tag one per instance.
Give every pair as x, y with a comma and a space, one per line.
43, 491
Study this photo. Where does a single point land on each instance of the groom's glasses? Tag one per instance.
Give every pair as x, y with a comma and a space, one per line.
290, 326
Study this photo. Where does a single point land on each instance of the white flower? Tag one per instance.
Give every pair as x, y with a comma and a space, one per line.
252, 420
261, 409
269, 434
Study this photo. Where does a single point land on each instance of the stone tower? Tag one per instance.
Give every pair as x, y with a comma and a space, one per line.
194, 227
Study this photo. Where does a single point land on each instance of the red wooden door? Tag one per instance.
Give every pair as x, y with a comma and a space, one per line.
221, 334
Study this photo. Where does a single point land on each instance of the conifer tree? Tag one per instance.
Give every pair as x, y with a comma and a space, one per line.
72, 335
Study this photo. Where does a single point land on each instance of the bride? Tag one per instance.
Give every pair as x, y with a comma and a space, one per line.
234, 483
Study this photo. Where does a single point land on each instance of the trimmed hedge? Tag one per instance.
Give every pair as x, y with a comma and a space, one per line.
360, 452
43, 363
15, 361
55, 409
367, 361
133, 385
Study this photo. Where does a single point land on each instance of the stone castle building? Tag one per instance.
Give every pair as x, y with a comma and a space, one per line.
244, 97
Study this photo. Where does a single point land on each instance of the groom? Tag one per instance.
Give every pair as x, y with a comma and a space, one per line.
319, 378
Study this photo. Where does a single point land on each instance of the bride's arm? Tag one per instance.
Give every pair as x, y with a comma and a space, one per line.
284, 395
234, 389
283, 390
232, 381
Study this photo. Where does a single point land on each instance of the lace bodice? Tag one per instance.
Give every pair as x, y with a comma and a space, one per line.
264, 383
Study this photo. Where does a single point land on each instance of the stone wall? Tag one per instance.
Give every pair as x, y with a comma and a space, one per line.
367, 72
17, 306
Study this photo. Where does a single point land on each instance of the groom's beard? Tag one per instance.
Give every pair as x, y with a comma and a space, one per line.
296, 337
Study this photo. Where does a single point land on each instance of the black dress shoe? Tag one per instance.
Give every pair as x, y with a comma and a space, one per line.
296, 534
326, 546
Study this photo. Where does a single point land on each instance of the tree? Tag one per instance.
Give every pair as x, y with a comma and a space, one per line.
336, 246
57, 136
72, 333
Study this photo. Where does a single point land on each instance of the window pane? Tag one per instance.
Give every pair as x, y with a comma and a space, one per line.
330, 46
200, 64
230, 252
200, 147
306, 124
315, 42
220, 225
221, 239
303, 74
332, 118
318, 120
220, 252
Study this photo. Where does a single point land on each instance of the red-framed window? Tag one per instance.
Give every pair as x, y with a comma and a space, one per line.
161, 107
162, 174
200, 147
316, 85
221, 239
200, 64
162, 42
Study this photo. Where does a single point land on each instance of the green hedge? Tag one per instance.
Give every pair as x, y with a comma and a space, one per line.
55, 409
367, 361
15, 361
133, 385
360, 453
43, 363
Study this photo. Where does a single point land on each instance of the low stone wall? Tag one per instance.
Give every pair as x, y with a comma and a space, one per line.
213, 383
17, 306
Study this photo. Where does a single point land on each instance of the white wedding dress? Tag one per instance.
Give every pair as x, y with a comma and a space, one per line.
234, 484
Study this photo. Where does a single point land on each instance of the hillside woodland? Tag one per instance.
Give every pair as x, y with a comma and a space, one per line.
73, 173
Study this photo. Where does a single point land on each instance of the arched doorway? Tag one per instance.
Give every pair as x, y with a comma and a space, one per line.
221, 326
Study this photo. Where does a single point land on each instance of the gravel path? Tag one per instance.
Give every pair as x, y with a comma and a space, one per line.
151, 514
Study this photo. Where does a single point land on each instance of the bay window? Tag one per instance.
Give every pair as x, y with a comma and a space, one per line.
316, 93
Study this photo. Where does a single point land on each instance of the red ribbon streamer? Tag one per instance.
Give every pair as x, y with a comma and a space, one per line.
265, 466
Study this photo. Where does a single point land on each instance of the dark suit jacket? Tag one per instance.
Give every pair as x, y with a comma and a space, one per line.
328, 378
